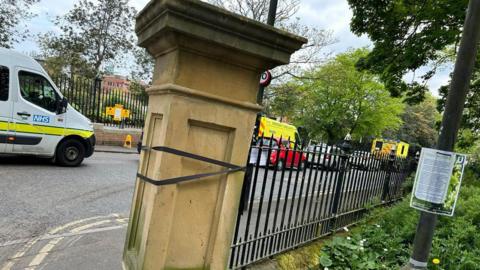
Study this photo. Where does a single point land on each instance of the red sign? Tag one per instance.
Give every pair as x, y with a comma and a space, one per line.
266, 78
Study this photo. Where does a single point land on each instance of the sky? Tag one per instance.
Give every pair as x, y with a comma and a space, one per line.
331, 15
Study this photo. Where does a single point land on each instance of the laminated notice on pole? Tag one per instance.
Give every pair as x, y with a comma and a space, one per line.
437, 182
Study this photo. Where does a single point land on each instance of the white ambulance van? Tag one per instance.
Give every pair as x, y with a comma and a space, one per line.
35, 119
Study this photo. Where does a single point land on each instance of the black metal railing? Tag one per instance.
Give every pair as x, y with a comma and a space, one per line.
91, 99
292, 196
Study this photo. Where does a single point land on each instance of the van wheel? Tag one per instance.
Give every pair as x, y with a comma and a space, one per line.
70, 153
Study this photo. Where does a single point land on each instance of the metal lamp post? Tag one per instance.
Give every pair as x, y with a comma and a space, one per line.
450, 124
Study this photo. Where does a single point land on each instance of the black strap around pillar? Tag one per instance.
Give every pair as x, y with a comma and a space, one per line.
230, 167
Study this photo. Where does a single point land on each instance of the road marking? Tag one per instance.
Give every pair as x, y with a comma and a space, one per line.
68, 234
122, 220
52, 233
19, 254
44, 252
84, 227
55, 230
55, 238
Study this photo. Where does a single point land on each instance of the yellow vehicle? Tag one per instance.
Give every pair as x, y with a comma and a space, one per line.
383, 147
269, 127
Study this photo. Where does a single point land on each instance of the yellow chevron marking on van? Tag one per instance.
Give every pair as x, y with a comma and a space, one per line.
56, 131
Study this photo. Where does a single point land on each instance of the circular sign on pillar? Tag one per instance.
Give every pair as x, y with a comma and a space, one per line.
265, 78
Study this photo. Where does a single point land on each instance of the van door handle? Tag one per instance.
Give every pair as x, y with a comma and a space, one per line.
25, 114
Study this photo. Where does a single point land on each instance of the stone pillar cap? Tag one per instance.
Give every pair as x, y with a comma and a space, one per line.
217, 26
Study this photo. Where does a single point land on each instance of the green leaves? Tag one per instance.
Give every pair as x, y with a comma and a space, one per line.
92, 33
336, 99
12, 13
384, 239
325, 261
419, 124
406, 35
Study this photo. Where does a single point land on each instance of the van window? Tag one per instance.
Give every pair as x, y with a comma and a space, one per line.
4, 83
37, 90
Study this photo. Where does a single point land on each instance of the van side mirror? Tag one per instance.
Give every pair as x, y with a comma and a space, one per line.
62, 105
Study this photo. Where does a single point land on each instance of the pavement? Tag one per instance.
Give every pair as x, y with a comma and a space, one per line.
115, 149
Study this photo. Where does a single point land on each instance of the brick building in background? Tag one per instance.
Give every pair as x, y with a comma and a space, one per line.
115, 82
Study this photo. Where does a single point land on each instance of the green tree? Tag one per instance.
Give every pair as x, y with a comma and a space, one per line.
282, 100
471, 112
338, 99
419, 124
411, 34
12, 12
144, 64
138, 88
64, 56
407, 35
91, 33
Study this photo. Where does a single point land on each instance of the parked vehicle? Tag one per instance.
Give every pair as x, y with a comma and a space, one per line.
386, 147
272, 128
363, 160
322, 156
35, 118
281, 154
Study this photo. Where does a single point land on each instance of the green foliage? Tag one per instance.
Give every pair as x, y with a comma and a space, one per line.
136, 103
115, 97
407, 35
384, 239
144, 64
419, 124
64, 56
469, 143
138, 88
466, 140
91, 34
407, 185
471, 112
283, 100
301, 258
337, 99
12, 13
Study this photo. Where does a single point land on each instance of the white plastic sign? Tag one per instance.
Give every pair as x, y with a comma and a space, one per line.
118, 114
437, 182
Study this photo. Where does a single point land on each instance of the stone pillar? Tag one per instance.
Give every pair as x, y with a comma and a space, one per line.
207, 70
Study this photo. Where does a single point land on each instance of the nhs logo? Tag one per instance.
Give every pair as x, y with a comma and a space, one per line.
41, 119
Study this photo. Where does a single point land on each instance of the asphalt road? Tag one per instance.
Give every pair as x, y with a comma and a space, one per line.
41, 203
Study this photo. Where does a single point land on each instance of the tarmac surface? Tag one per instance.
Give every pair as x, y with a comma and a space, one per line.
65, 218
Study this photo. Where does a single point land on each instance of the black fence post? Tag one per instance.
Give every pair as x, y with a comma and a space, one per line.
386, 184
246, 187
98, 89
344, 168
